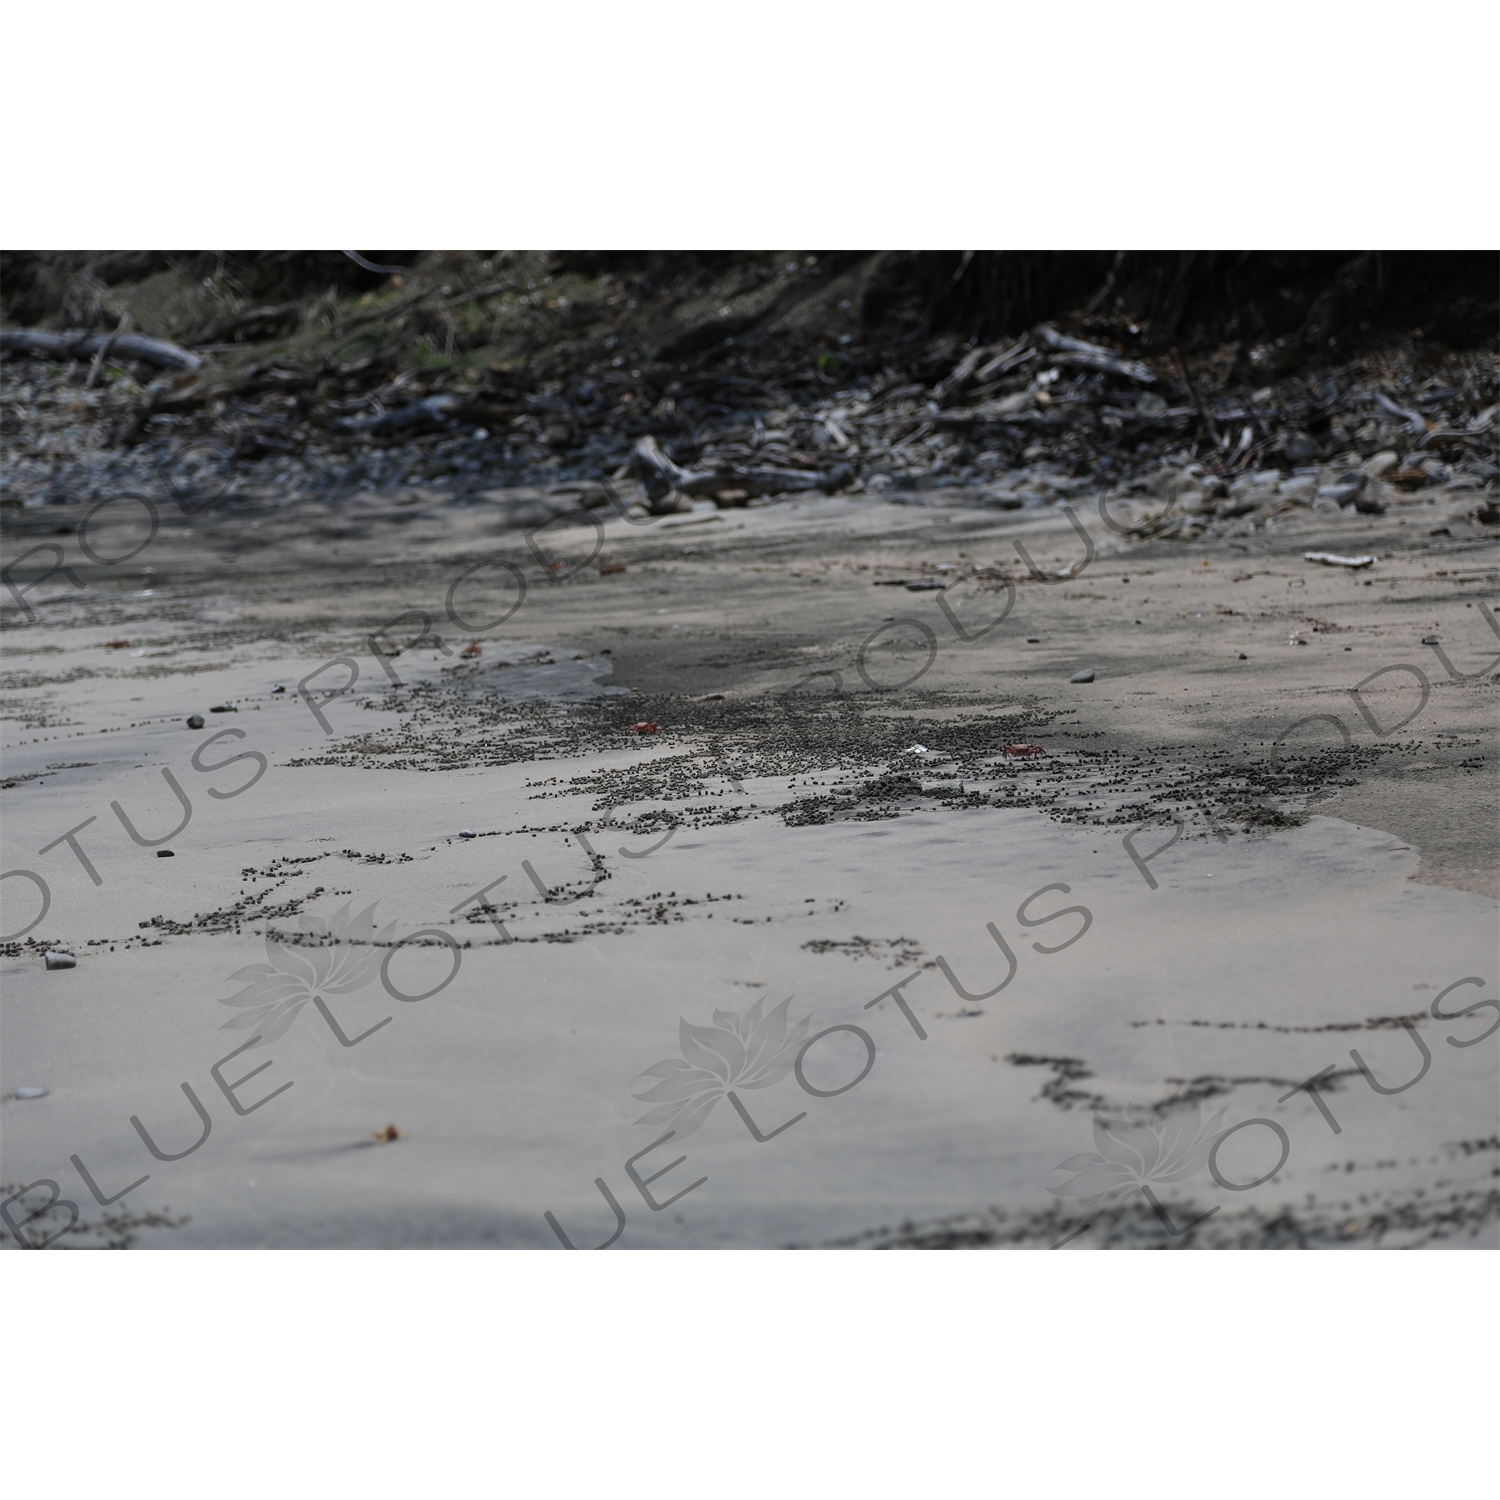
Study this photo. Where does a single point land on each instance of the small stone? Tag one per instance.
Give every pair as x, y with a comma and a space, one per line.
1087, 675
165, 854
223, 708
467, 833
61, 960
195, 721
279, 688
1243, 657
1344, 489
1033, 640
1431, 640
30, 1091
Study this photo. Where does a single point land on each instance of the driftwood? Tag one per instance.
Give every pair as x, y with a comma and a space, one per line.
961, 373
1083, 356
987, 363
1015, 355
78, 345
982, 365
660, 477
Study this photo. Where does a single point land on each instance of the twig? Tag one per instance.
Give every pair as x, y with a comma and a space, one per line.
104, 348
369, 265
1097, 300
1203, 416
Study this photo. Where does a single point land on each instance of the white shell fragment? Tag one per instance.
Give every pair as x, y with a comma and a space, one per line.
1087, 675
1333, 560
30, 1091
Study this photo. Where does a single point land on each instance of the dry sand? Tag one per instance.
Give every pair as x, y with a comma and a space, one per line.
1318, 900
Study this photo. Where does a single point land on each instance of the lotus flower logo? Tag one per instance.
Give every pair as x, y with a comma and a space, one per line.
1141, 1149
750, 1051
277, 990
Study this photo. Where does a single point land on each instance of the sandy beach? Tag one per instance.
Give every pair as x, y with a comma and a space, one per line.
884, 932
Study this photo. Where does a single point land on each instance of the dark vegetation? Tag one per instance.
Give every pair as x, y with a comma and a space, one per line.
1330, 302
753, 373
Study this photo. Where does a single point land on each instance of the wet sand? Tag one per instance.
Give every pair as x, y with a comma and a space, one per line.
656, 896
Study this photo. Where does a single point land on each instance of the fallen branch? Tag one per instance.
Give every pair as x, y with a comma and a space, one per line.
77, 345
1091, 356
660, 477
961, 373
1016, 354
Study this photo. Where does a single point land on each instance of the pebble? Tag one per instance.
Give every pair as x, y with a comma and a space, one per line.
61, 960
30, 1091
1431, 640
166, 854
279, 688
467, 833
195, 721
1243, 657
1087, 675
223, 708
